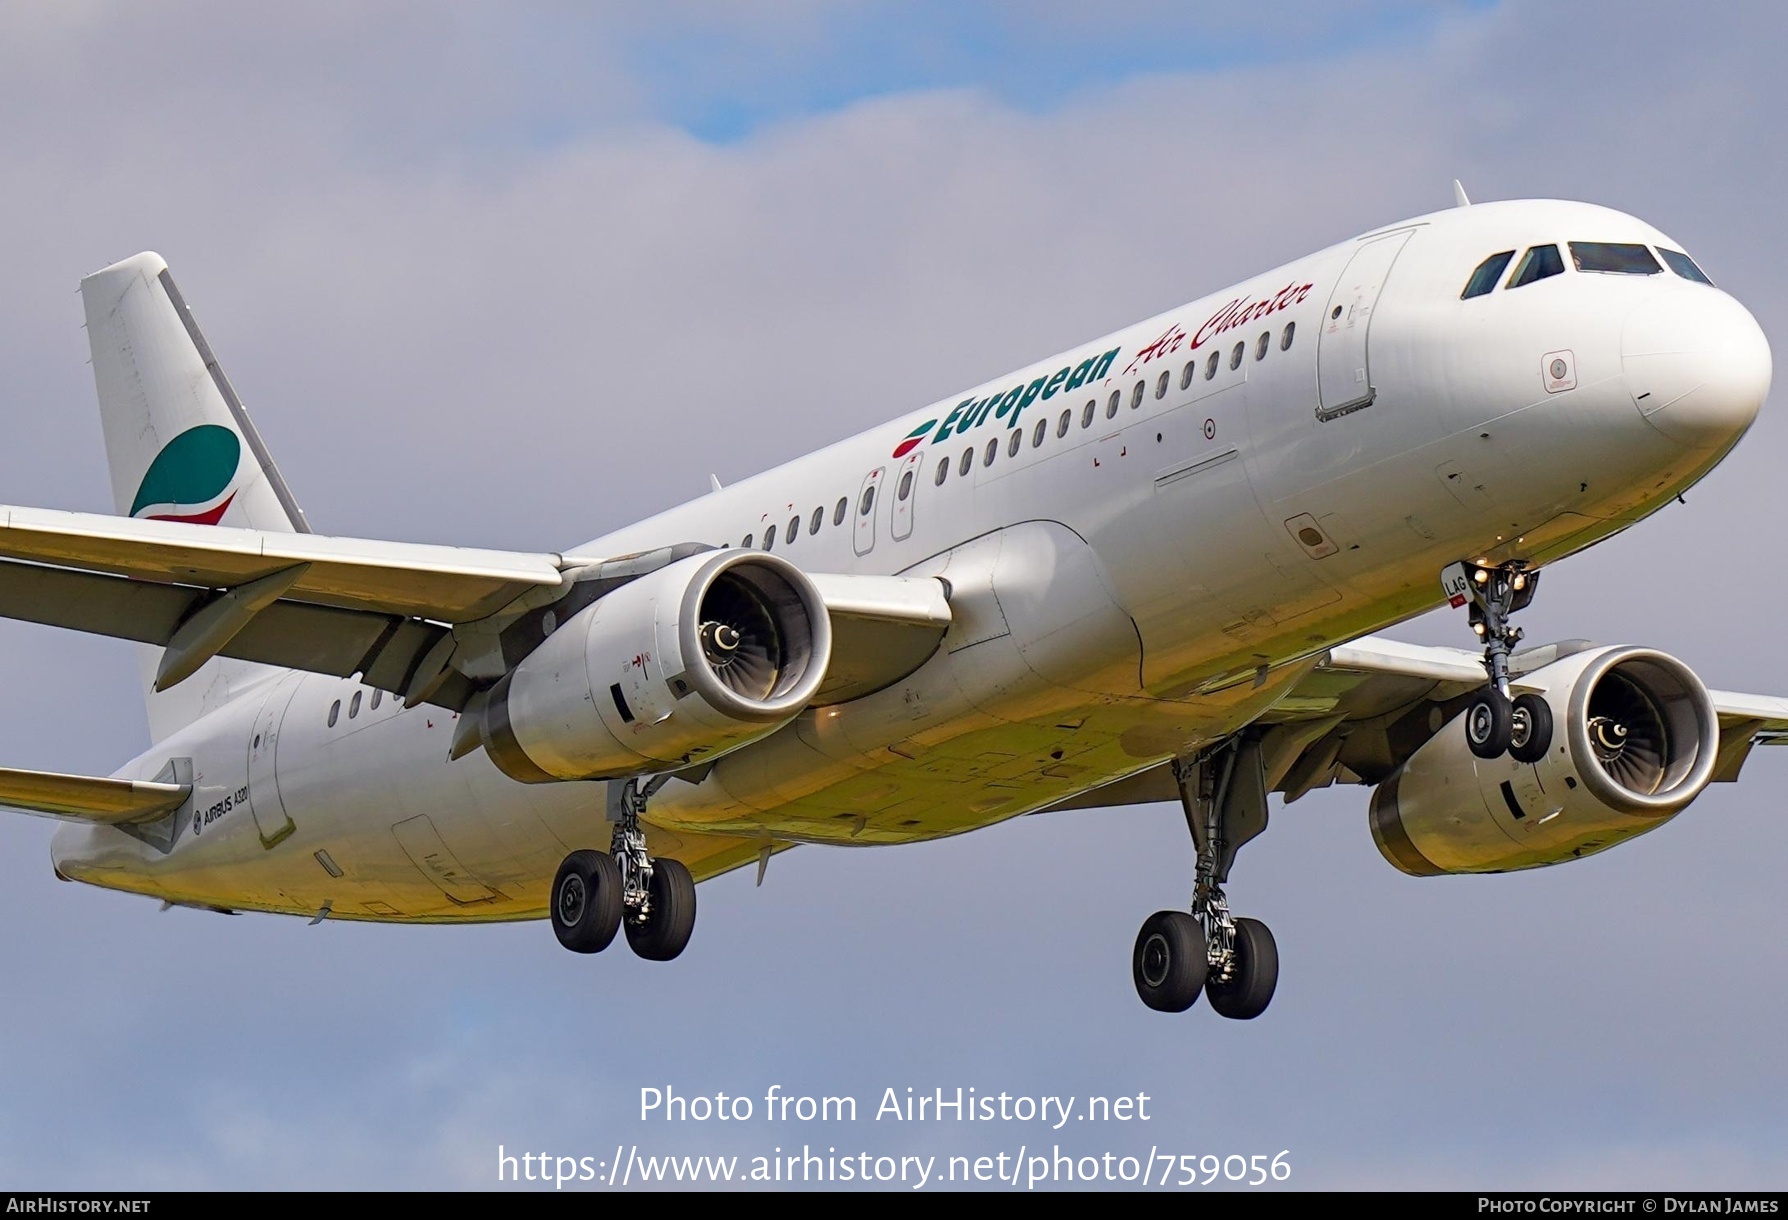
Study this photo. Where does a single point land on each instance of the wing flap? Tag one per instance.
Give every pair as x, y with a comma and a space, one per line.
83, 798
385, 648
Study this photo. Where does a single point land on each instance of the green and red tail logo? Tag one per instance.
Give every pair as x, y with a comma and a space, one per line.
913, 438
193, 477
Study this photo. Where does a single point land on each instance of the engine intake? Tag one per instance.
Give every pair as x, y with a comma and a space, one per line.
681, 665
1635, 741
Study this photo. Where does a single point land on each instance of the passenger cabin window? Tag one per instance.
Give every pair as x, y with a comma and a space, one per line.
864, 509
1236, 354
1086, 414
1614, 258
943, 472
1136, 396
1291, 328
354, 706
819, 519
794, 527
1187, 372
1039, 432
993, 451
1210, 366
374, 705
906, 485
746, 542
1260, 346
1061, 425
1539, 263
334, 712
968, 459
770, 539
1684, 266
839, 509
1111, 404
1485, 278
1013, 444
1161, 383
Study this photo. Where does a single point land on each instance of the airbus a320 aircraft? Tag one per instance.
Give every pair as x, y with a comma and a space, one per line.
1140, 570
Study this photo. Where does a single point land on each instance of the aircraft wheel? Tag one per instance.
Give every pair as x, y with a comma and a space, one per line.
586, 901
1169, 961
1530, 734
666, 931
1489, 722
1250, 988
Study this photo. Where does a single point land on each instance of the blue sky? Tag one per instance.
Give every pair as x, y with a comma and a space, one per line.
724, 79
518, 277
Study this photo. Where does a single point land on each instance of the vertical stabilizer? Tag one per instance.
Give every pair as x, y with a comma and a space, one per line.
180, 445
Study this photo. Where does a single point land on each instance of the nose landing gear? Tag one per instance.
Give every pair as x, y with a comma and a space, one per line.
1179, 954
1495, 724
596, 894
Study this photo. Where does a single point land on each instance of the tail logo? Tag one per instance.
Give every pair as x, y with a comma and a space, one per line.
192, 479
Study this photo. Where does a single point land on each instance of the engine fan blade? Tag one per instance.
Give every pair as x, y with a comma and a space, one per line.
1630, 736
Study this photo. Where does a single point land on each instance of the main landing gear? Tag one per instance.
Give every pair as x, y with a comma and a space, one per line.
1495, 724
1179, 954
597, 894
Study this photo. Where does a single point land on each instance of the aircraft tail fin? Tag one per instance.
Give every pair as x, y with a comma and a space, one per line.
180, 445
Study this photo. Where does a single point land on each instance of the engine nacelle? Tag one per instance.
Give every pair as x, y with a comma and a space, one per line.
1634, 740
679, 666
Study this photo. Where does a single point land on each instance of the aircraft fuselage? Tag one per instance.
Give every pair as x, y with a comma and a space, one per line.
1147, 540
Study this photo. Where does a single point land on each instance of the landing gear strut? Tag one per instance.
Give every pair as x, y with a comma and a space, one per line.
1178, 954
596, 894
659, 895
1494, 723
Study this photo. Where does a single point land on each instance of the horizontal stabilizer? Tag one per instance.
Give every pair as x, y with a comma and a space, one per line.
84, 798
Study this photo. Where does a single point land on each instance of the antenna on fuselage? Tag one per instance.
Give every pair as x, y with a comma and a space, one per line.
1460, 200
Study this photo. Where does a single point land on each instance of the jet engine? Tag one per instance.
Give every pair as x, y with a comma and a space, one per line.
677, 667
1633, 740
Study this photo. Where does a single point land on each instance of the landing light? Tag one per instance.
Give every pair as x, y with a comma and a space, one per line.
1481, 576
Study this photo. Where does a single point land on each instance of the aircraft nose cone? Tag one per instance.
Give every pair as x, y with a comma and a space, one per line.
1697, 364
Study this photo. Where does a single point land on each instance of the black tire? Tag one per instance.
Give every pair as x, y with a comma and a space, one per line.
1530, 731
1169, 961
667, 930
586, 901
1250, 989
1489, 721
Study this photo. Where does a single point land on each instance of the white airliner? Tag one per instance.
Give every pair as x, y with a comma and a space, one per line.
1143, 569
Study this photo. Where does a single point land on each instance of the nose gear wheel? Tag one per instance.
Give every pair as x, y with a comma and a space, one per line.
1496, 724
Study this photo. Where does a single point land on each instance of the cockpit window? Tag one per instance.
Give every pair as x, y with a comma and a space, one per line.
1538, 263
1613, 257
1484, 278
1684, 266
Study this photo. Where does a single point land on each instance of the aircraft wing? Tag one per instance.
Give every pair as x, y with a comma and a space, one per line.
1365, 707
449, 584
883, 628
85, 798
395, 613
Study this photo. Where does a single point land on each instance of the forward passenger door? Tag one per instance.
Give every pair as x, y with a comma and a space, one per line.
1343, 369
